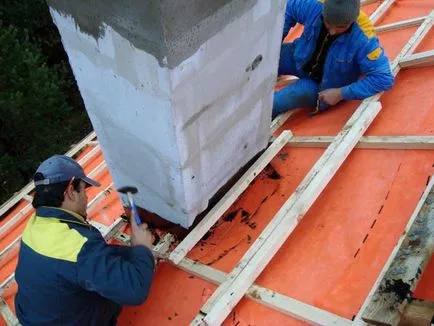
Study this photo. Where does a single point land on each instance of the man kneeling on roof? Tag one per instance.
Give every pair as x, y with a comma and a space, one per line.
337, 47
67, 274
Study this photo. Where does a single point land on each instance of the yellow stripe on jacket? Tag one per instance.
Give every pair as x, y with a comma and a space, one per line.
365, 25
52, 238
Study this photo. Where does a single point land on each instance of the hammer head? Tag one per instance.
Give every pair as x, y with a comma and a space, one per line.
127, 189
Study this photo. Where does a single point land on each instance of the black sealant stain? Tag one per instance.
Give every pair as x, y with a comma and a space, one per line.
399, 288
230, 216
223, 254
245, 219
207, 235
414, 243
274, 175
244, 214
271, 172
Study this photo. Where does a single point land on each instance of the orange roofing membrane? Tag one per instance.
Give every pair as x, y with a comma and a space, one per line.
335, 254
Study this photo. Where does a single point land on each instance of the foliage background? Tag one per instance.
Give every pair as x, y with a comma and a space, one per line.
41, 111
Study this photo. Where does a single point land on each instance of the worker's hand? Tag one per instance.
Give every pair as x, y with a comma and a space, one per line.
331, 96
140, 235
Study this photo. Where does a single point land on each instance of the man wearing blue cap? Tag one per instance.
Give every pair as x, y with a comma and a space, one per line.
338, 56
67, 274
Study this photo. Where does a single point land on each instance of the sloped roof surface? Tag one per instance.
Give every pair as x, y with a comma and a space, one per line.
335, 254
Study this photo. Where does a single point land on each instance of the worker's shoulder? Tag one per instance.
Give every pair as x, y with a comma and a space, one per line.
364, 28
312, 8
54, 238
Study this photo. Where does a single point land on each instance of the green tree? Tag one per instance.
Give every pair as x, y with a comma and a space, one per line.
41, 111
34, 17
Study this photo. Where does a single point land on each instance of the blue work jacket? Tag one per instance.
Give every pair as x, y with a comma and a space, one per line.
68, 275
352, 55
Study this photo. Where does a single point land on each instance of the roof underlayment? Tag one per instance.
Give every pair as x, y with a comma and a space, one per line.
335, 254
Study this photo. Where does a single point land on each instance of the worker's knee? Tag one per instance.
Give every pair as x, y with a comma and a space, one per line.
302, 94
286, 60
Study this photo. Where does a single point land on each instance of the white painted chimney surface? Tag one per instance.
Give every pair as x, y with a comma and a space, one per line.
179, 115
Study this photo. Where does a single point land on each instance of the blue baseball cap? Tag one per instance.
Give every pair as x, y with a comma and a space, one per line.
61, 168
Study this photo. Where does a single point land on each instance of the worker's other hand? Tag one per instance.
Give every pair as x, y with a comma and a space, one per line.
331, 96
140, 235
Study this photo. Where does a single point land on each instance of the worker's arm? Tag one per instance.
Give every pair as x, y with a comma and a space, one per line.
375, 67
123, 275
299, 11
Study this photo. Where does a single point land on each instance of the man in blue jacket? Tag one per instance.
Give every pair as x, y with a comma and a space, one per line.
67, 274
338, 56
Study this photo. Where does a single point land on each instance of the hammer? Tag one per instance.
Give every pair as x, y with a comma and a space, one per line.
130, 191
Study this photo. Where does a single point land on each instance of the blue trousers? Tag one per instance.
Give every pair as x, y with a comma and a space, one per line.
301, 94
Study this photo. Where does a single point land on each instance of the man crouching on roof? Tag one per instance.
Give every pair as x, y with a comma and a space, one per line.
67, 274
337, 47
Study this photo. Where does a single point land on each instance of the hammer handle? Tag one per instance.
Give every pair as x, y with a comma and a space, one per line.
134, 209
